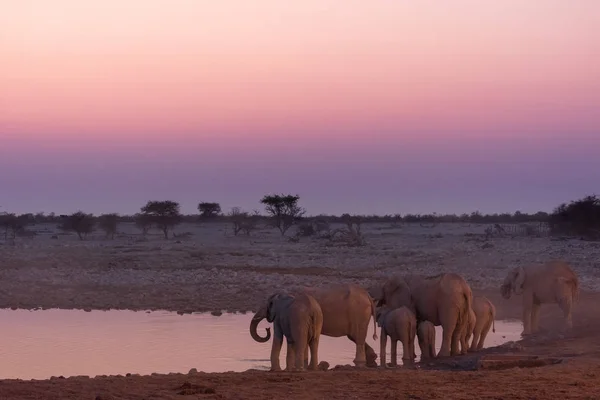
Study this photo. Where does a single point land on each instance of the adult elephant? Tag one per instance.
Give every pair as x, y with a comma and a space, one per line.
298, 317
552, 282
443, 299
347, 309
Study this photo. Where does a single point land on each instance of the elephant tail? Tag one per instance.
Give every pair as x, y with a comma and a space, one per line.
464, 318
374, 318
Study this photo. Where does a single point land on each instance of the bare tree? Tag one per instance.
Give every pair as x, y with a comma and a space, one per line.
164, 215
80, 223
284, 210
243, 221
108, 223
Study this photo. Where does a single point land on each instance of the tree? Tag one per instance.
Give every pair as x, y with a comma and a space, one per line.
79, 222
143, 222
108, 223
164, 214
209, 210
580, 217
283, 209
15, 224
243, 221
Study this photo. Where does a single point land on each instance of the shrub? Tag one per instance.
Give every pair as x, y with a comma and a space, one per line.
80, 223
579, 217
108, 223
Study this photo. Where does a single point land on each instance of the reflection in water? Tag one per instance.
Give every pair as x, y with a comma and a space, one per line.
40, 344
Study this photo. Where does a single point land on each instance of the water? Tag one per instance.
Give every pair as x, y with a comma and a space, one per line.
44, 343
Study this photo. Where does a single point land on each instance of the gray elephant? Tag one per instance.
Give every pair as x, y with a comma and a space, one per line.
399, 324
552, 282
484, 314
299, 318
347, 310
443, 299
426, 336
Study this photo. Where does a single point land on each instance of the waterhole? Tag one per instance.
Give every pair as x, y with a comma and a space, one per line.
44, 343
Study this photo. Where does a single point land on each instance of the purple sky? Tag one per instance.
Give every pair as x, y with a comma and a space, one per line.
363, 107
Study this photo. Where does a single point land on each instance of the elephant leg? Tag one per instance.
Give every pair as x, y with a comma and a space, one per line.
448, 320
457, 340
299, 354
484, 332
382, 343
527, 306
464, 345
566, 305
394, 352
275, 350
314, 354
306, 356
476, 338
290, 357
407, 356
360, 360
535, 317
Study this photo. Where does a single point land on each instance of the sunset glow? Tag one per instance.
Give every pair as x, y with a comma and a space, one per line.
355, 98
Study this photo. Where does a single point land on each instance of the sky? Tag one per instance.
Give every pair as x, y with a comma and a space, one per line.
367, 107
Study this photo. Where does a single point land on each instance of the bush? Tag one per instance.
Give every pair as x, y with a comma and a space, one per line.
80, 223
579, 218
108, 223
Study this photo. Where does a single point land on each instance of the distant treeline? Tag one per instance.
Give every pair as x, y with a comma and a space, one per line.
474, 218
577, 218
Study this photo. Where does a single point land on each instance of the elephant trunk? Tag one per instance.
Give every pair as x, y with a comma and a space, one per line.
259, 316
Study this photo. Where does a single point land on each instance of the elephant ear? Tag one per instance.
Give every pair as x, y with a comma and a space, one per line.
519, 280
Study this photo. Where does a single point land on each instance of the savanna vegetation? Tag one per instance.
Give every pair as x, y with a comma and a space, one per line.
579, 218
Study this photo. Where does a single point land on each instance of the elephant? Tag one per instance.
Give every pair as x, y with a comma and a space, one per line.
426, 336
400, 324
444, 299
299, 318
347, 310
550, 282
483, 316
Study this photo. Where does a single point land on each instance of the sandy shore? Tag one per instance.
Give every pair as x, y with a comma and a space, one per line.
212, 270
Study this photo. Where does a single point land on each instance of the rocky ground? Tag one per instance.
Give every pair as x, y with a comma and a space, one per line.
209, 269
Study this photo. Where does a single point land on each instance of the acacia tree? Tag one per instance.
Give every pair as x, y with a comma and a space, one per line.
108, 223
163, 214
80, 223
283, 209
209, 210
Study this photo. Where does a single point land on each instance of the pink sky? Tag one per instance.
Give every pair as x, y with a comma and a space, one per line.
245, 79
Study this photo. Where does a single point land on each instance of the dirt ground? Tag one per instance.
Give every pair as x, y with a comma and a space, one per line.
211, 270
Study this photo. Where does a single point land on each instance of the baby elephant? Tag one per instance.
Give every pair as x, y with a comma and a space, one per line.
426, 335
399, 324
485, 313
299, 318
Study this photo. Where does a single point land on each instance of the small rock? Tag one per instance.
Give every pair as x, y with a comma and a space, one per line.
192, 371
216, 313
323, 366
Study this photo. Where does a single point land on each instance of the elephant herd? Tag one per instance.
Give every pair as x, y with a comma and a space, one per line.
406, 308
